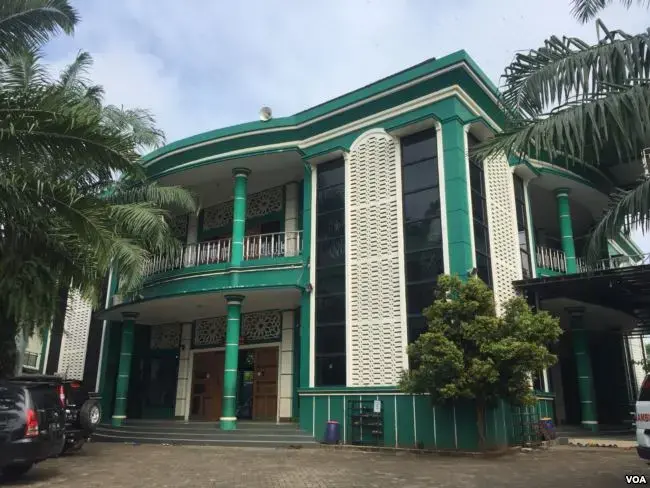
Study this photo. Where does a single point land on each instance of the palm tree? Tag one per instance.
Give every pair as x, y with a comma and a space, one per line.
586, 10
65, 219
583, 104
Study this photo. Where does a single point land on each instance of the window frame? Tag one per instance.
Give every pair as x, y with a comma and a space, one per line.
483, 224
414, 320
334, 291
520, 204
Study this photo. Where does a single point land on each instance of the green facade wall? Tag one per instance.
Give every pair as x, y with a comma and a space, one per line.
410, 421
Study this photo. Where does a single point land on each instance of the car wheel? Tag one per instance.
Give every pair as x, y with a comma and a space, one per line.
90, 415
15, 470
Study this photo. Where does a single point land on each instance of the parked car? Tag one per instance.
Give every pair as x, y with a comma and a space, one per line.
642, 420
32, 425
82, 408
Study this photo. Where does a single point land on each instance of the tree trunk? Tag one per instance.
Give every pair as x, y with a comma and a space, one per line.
480, 423
8, 351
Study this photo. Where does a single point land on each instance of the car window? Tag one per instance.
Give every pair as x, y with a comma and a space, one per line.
45, 396
644, 393
10, 397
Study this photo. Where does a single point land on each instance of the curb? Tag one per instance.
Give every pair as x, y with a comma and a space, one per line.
431, 452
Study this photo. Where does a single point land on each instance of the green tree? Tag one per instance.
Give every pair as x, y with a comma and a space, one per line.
65, 219
583, 104
468, 352
585, 10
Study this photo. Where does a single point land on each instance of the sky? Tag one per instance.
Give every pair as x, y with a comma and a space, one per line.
201, 65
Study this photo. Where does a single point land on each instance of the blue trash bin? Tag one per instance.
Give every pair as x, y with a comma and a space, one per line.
332, 432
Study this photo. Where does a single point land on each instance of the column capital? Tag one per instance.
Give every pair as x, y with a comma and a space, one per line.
234, 299
562, 192
241, 172
130, 315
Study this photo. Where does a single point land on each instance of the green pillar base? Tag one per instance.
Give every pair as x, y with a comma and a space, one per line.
117, 421
229, 424
591, 427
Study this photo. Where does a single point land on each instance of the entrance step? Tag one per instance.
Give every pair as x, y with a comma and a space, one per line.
248, 434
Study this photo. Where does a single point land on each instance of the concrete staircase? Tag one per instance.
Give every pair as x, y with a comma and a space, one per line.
248, 434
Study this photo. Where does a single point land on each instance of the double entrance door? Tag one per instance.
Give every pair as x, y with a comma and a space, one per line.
257, 384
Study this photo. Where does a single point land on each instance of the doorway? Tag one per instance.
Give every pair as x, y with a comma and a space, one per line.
207, 385
257, 384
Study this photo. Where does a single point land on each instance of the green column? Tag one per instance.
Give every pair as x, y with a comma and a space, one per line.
458, 207
566, 228
124, 369
305, 300
589, 418
239, 215
228, 420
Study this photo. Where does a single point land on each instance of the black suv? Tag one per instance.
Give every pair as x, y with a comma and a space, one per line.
32, 424
82, 408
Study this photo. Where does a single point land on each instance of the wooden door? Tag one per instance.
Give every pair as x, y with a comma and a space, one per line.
207, 385
265, 384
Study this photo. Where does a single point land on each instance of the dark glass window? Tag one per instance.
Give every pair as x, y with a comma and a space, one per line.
522, 227
422, 227
479, 215
330, 275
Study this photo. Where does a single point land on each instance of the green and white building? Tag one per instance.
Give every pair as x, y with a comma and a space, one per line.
319, 242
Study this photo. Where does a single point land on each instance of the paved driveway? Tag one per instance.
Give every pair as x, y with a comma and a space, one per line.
127, 466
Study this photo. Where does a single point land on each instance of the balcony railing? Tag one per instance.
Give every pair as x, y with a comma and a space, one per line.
191, 255
555, 260
552, 259
276, 245
611, 263
279, 244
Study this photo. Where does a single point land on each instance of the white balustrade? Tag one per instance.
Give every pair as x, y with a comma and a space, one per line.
190, 255
552, 259
278, 244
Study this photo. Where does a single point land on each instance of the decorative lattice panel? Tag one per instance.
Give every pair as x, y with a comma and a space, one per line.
502, 219
166, 336
210, 332
261, 326
375, 318
258, 205
636, 355
255, 327
178, 224
75, 337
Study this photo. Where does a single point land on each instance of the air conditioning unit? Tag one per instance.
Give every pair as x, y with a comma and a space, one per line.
117, 300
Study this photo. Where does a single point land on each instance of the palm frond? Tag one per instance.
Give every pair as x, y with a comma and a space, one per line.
585, 10
73, 76
23, 70
31, 23
567, 69
138, 122
169, 197
622, 119
627, 210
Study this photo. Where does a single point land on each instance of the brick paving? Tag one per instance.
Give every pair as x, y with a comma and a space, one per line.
131, 466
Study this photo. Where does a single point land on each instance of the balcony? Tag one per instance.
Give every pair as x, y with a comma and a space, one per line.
256, 247
555, 261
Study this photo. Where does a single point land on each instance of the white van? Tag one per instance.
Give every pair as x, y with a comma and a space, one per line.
642, 419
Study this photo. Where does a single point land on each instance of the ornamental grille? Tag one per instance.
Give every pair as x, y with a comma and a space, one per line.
166, 336
178, 224
257, 205
256, 327
75, 337
506, 258
372, 218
